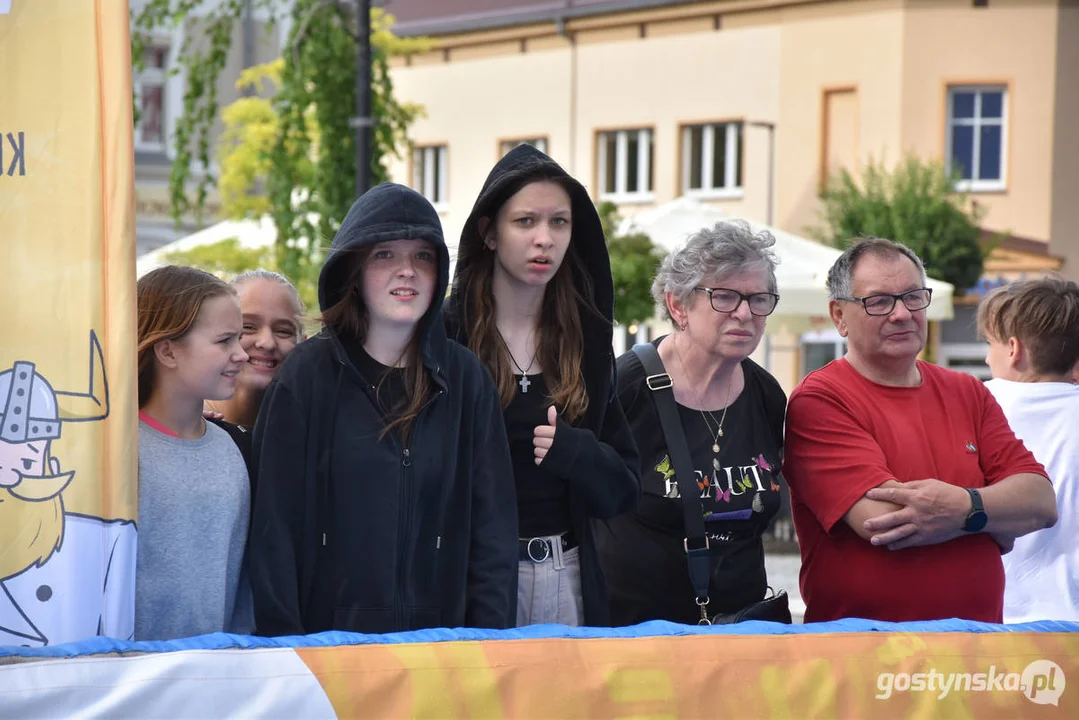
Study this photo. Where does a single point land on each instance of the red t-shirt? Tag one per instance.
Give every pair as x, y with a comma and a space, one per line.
845, 435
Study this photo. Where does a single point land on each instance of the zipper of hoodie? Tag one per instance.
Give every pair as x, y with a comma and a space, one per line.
405, 495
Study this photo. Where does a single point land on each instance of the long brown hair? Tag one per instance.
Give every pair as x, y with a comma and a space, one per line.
560, 338
169, 300
348, 318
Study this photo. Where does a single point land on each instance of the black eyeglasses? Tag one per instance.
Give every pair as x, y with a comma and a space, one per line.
884, 304
725, 300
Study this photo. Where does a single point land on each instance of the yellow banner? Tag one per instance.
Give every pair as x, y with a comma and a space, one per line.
841, 675
67, 412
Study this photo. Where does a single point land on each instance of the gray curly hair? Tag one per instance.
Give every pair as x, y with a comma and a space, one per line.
728, 248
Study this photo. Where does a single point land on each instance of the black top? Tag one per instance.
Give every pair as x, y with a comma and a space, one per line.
387, 385
643, 556
595, 455
353, 531
542, 498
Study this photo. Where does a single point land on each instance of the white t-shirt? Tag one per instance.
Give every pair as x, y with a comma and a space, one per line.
1042, 572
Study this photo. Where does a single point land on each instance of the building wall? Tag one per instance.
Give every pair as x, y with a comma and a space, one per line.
843, 82
838, 57
1011, 43
569, 92
1064, 207
473, 104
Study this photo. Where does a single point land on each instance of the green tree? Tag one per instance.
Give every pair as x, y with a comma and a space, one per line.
291, 155
634, 261
914, 203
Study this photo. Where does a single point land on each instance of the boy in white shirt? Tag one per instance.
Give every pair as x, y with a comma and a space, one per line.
1033, 332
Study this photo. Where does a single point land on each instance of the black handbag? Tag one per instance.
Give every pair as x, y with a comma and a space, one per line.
775, 607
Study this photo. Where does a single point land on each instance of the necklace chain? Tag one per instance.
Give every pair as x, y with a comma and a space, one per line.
700, 404
524, 371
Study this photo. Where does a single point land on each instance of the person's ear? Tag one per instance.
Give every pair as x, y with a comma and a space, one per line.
678, 310
835, 310
1017, 353
165, 352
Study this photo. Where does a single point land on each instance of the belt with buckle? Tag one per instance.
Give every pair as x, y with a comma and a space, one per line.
538, 549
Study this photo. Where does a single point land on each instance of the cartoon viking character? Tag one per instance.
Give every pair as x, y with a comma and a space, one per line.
63, 576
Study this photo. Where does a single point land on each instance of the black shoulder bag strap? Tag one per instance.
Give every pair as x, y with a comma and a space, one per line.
696, 541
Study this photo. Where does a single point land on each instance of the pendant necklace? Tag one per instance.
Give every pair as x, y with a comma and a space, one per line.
524, 382
719, 429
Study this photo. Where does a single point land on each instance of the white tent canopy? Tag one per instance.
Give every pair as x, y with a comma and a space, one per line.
250, 234
803, 264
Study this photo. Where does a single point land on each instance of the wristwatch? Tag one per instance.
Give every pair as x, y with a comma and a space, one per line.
978, 518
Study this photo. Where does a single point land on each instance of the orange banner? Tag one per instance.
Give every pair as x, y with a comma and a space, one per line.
843, 675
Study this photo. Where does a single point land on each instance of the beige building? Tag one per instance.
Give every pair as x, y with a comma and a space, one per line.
646, 101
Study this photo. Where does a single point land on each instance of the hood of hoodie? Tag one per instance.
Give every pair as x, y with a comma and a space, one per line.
385, 212
519, 167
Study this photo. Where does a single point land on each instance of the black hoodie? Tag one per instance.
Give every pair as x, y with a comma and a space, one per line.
360, 534
596, 455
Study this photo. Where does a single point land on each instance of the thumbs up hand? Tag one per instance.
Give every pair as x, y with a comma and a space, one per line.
543, 437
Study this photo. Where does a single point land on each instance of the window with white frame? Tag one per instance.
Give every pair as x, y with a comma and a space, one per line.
712, 159
150, 134
820, 347
539, 143
429, 172
625, 165
978, 136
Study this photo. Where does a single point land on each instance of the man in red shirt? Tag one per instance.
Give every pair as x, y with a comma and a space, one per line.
906, 481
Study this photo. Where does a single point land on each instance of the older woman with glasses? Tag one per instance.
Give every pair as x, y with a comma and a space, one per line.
718, 291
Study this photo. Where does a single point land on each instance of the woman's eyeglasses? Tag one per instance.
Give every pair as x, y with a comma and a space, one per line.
725, 300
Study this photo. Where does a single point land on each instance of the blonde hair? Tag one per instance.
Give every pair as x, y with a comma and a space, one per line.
275, 277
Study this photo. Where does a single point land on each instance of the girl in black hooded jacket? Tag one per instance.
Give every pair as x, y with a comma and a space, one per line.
533, 298
384, 496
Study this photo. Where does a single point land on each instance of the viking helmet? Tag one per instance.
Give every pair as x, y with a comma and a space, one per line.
31, 410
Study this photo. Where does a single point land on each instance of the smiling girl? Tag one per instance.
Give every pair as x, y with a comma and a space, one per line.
272, 326
193, 485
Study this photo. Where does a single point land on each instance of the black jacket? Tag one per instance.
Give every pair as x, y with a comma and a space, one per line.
360, 534
596, 455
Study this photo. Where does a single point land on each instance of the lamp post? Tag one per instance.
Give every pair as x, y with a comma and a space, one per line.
771, 128
363, 121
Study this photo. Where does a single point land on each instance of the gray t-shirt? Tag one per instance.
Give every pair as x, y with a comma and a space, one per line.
194, 510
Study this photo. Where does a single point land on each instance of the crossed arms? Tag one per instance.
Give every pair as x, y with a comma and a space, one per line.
928, 512
839, 468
